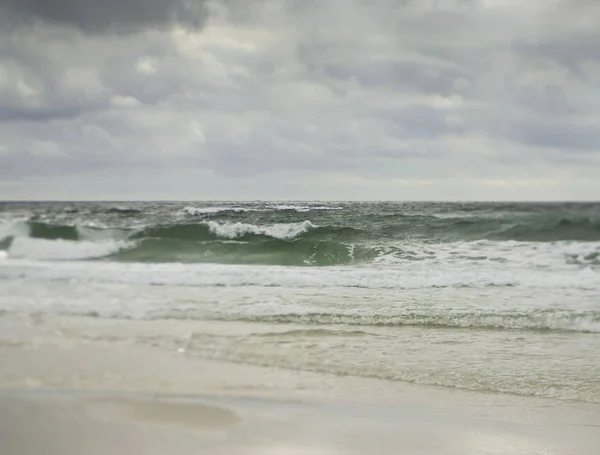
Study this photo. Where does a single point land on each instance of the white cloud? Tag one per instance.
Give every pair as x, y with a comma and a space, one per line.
146, 66
124, 101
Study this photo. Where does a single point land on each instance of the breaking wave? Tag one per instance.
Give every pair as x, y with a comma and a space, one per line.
310, 234
210, 230
213, 210
62, 250
301, 243
199, 211
278, 231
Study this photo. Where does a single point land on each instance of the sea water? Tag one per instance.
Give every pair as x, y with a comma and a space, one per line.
500, 297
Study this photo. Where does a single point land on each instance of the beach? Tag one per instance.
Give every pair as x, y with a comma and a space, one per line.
296, 227
65, 397
292, 328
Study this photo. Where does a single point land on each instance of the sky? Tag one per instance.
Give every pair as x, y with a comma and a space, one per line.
300, 99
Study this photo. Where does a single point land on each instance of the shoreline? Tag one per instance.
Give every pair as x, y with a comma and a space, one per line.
99, 397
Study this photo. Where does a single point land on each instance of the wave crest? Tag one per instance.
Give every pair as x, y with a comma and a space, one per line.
12, 230
198, 211
280, 231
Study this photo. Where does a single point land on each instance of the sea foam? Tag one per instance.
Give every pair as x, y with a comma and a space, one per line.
13, 229
63, 250
197, 211
410, 277
278, 230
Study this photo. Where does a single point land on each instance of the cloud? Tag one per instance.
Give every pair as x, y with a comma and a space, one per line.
280, 99
105, 16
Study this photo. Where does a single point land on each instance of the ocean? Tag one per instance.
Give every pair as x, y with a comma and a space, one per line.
495, 297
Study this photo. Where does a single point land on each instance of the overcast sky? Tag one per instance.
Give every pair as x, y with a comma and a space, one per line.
300, 99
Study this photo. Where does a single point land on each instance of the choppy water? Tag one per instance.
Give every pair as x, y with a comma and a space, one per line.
500, 297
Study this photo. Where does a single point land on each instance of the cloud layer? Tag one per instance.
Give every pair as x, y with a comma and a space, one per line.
277, 99
106, 16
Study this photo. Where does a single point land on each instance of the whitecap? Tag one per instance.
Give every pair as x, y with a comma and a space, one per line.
63, 250
197, 211
278, 230
15, 229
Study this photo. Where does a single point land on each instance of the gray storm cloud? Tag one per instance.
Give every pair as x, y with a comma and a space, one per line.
99, 16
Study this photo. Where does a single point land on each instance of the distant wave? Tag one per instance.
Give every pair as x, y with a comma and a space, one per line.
492, 228
198, 211
123, 210
213, 210
304, 208
562, 229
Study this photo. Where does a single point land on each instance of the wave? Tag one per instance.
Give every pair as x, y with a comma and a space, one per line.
277, 231
443, 375
317, 333
304, 208
50, 231
210, 230
362, 227
61, 250
123, 210
227, 275
208, 241
8, 231
327, 241
272, 251
198, 211
439, 228
562, 229
205, 230
585, 322
213, 210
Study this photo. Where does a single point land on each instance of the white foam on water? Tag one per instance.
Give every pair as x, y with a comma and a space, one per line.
580, 323
551, 255
278, 230
305, 208
529, 319
413, 276
63, 250
13, 229
196, 211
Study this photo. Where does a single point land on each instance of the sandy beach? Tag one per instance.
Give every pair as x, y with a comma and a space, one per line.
96, 398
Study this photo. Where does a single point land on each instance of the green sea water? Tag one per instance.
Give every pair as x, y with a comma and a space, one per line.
298, 234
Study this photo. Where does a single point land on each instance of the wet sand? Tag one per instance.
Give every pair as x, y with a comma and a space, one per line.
96, 398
